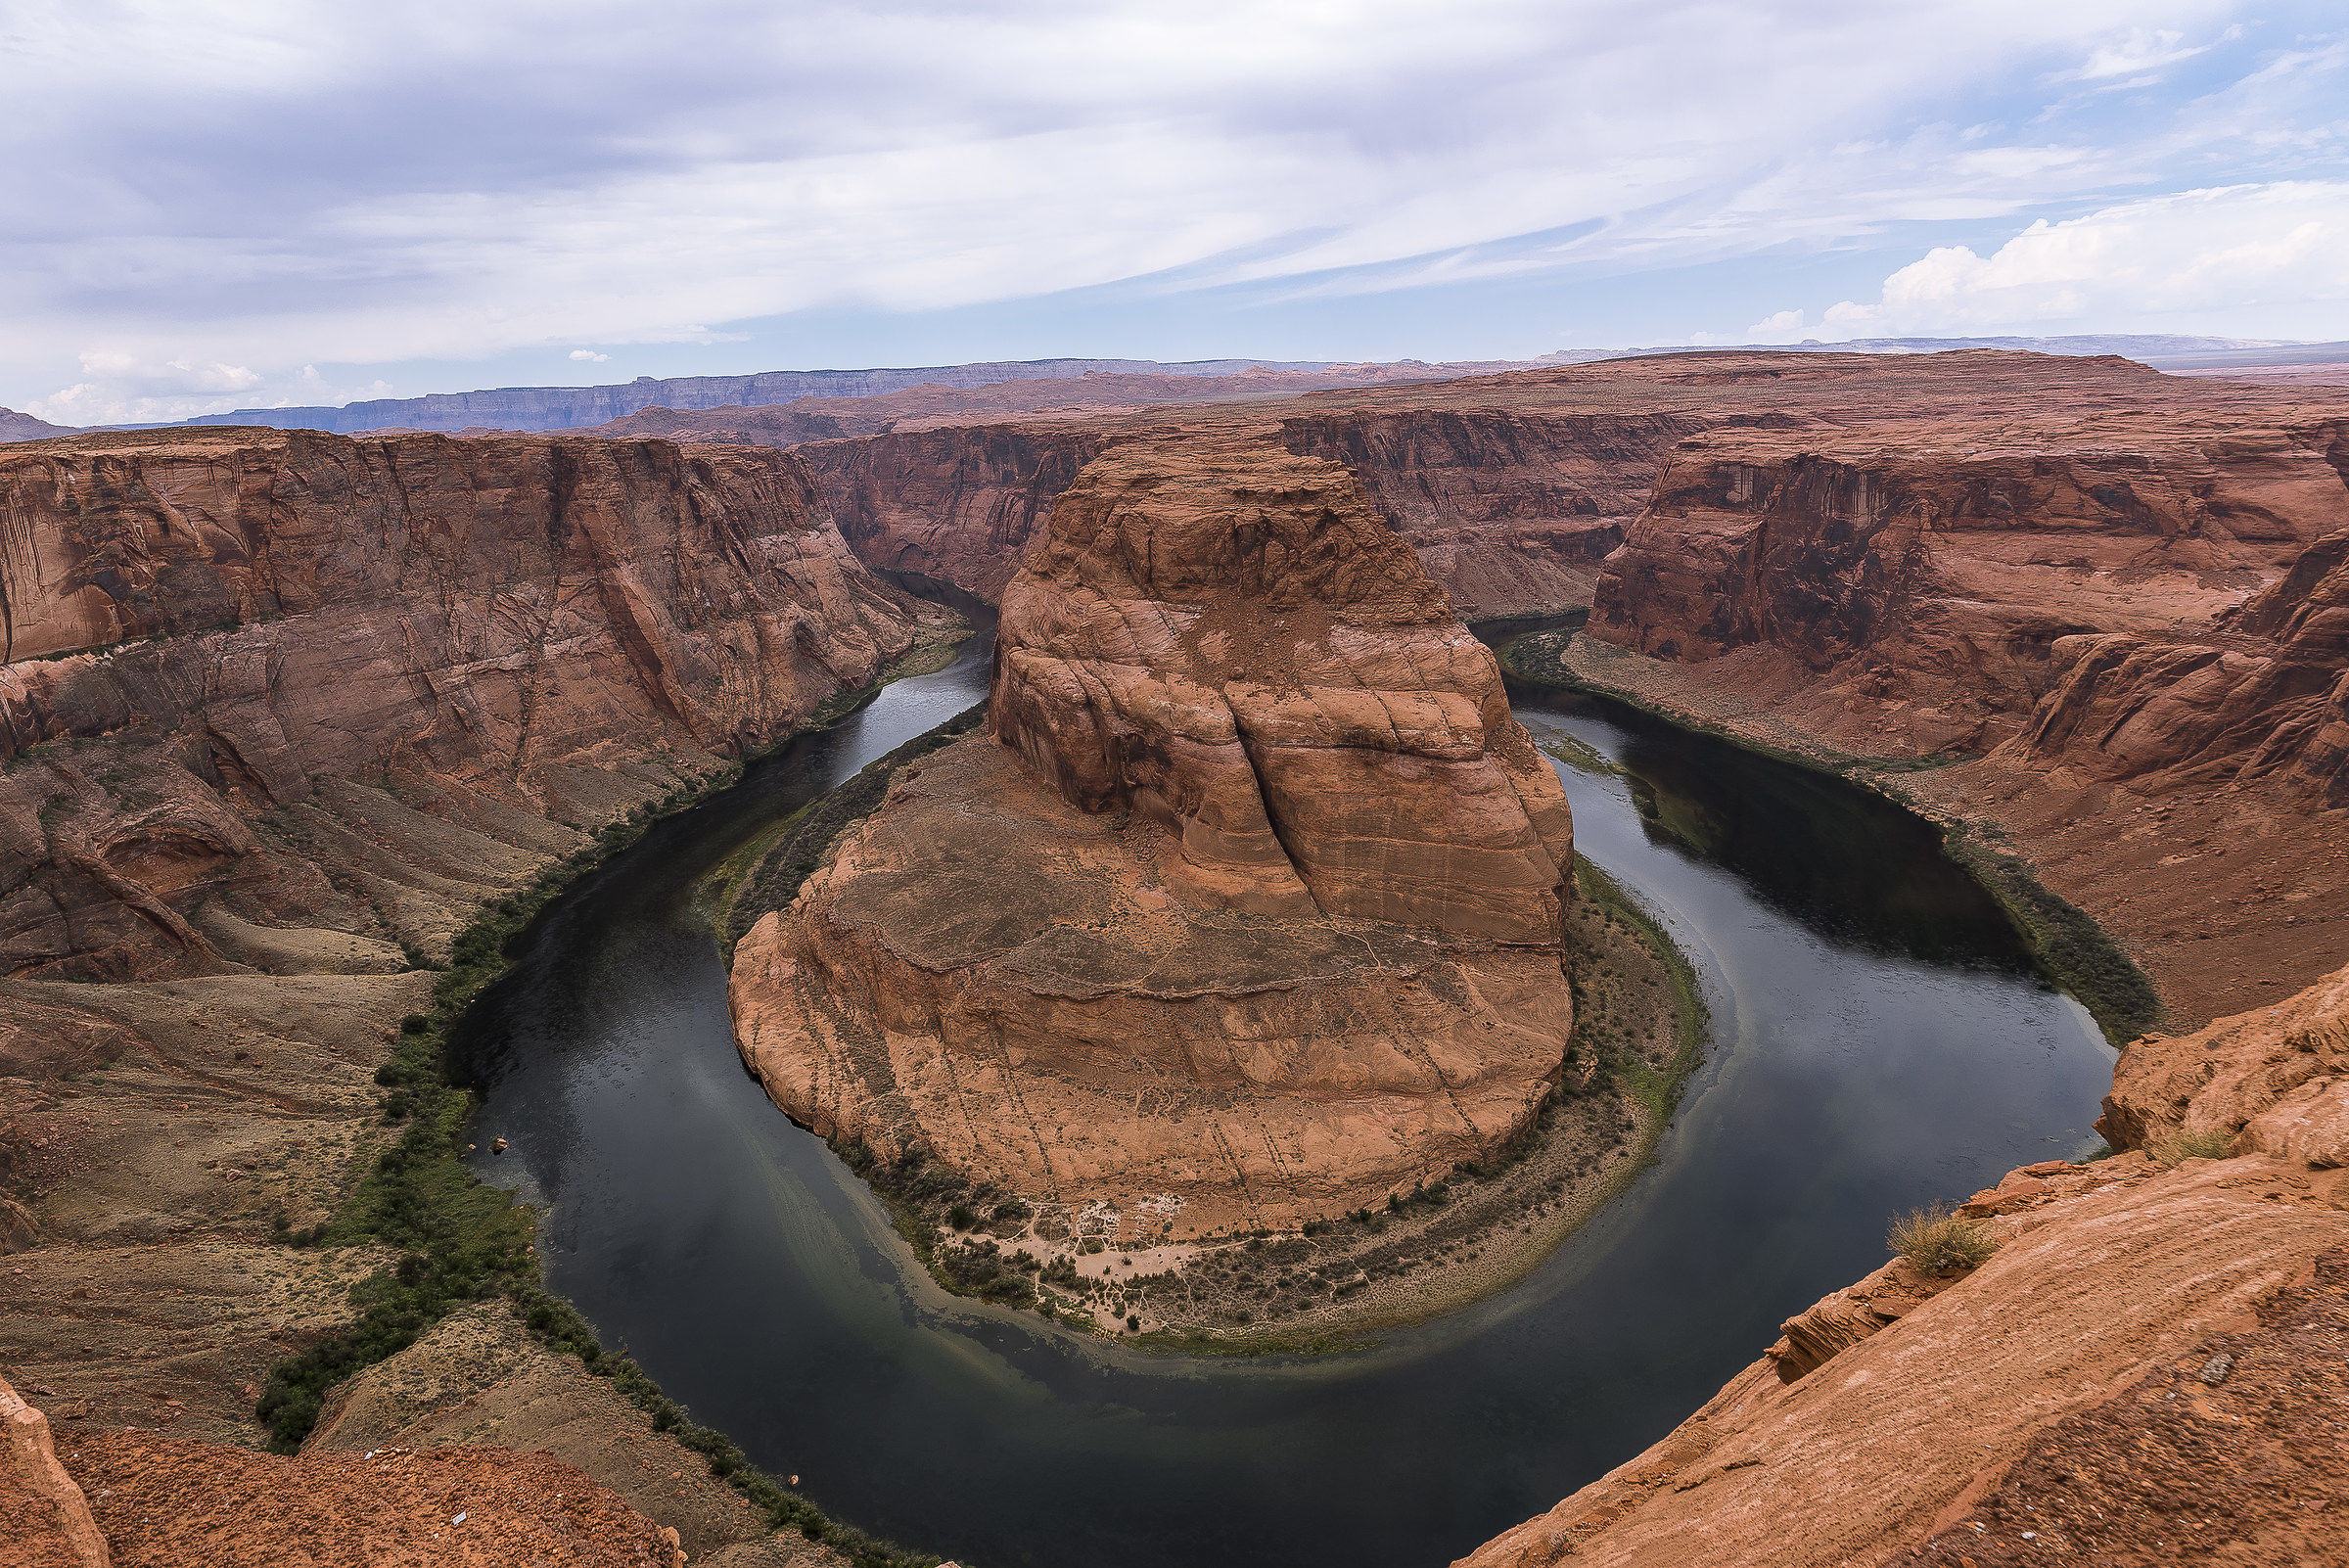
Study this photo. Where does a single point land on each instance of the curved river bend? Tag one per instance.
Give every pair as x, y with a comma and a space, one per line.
1878, 1041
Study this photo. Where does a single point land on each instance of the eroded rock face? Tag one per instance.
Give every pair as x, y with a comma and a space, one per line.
1512, 510
956, 505
2067, 1387
2272, 1078
283, 712
1233, 643
2080, 585
42, 1509
415, 658
1961, 564
2263, 694
1247, 910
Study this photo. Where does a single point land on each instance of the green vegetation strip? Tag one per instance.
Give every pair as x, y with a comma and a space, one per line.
1656, 1089
461, 1241
766, 873
2070, 947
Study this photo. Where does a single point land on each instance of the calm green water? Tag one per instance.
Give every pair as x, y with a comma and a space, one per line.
1878, 1041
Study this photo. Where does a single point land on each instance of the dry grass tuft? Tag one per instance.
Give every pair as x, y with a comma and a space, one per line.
2175, 1143
1934, 1240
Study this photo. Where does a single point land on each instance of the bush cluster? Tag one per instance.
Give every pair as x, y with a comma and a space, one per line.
2171, 1144
1935, 1241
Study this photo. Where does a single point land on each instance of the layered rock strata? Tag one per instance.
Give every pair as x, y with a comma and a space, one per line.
1247, 909
2263, 693
955, 506
1511, 510
282, 712
2063, 1400
236, 658
1966, 571
1515, 488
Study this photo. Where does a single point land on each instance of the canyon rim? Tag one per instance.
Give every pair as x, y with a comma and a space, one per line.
913, 787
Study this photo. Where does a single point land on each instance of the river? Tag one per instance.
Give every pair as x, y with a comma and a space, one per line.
1878, 1040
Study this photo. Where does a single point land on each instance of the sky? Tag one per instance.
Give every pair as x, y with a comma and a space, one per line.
208, 205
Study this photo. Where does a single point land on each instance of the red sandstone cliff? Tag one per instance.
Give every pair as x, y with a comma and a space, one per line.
1964, 565
1248, 909
2149, 1369
954, 505
1515, 488
225, 647
2119, 592
1511, 510
281, 710
2262, 693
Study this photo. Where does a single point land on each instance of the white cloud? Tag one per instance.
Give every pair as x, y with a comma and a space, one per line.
588, 356
2252, 255
121, 389
1777, 327
2139, 53
261, 183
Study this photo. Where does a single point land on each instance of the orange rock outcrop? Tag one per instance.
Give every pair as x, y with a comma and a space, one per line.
1247, 909
164, 1502
227, 648
2149, 1369
2077, 573
44, 1515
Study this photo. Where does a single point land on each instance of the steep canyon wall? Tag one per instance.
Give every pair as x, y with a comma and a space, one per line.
281, 712
237, 658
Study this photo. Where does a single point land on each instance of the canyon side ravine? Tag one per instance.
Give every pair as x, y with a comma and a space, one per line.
1247, 912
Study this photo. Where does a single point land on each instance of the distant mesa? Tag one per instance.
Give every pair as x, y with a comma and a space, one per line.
548, 408
16, 427
526, 409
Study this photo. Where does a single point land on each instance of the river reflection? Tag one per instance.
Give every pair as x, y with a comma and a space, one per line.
1878, 1040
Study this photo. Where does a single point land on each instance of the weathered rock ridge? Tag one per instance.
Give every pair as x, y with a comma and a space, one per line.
2263, 694
2150, 1368
227, 647
1515, 488
2079, 580
282, 714
1512, 511
1246, 911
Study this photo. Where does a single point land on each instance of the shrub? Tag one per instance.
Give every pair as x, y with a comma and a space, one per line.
2175, 1143
1934, 1240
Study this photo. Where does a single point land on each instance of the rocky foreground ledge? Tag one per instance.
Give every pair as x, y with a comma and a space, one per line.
2151, 1367
1245, 912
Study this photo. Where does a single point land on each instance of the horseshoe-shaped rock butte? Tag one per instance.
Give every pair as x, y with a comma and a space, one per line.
1244, 909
